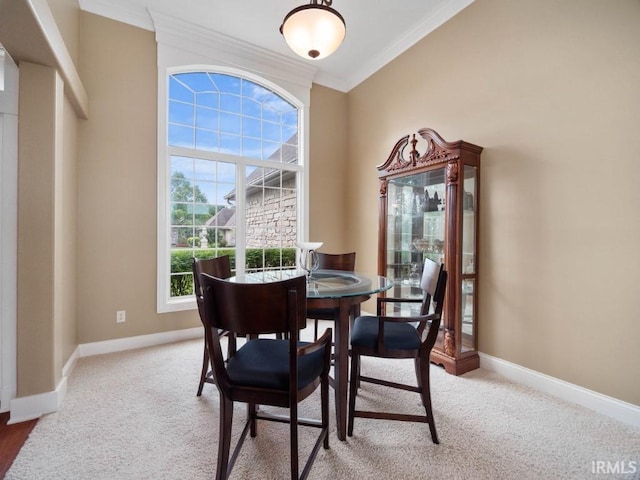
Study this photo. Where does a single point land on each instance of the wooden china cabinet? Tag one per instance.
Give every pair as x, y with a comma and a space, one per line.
429, 209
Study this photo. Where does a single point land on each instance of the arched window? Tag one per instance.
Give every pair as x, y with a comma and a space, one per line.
232, 176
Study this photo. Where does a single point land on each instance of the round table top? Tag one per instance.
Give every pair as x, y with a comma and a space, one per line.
324, 283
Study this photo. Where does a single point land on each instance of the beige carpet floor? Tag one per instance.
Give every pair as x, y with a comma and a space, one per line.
135, 415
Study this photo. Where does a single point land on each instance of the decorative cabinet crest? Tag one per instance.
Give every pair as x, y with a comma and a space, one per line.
429, 192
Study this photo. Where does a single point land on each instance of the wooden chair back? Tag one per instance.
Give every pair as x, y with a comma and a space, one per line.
337, 261
332, 261
429, 284
434, 287
219, 267
255, 308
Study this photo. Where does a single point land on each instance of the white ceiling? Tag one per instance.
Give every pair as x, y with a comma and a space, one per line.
377, 30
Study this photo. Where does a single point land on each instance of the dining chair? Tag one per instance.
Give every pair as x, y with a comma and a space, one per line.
265, 371
400, 337
218, 267
330, 261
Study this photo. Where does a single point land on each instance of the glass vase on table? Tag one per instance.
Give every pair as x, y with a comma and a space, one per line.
308, 259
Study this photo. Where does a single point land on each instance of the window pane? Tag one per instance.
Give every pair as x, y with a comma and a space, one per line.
226, 83
208, 99
271, 131
229, 103
230, 123
204, 170
251, 148
180, 113
181, 214
271, 115
272, 151
230, 144
205, 191
226, 172
251, 127
290, 118
196, 81
180, 236
180, 136
207, 140
290, 134
253, 90
207, 118
289, 154
178, 91
251, 107
223, 218
183, 165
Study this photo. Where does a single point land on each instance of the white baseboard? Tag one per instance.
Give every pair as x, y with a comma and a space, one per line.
129, 343
612, 407
34, 406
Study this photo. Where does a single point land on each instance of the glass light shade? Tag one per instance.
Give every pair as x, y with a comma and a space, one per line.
313, 31
309, 245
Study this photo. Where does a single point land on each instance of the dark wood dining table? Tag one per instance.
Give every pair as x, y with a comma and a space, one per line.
342, 292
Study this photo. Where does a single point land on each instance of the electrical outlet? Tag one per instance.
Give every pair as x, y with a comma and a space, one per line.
121, 316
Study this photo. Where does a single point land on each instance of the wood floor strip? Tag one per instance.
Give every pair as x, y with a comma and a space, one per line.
12, 437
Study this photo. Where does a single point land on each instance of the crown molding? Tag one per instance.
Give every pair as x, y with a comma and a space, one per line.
447, 10
236, 53
332, 81
120, 11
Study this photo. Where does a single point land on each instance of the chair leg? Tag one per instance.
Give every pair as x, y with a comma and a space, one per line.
231, 345
251, 414
205, 367
355, 379
315, 329
358, 382
425, 392
224, 445
293, 439
324, 400
416, 364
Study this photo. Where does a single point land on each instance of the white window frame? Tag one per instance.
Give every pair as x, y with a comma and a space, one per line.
187, 47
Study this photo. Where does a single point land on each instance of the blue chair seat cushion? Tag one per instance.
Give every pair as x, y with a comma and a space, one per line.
397, 336
264, 363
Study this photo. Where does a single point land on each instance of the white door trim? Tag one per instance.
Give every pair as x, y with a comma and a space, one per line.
8, 232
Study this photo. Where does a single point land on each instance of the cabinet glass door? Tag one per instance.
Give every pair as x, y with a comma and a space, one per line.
467, 293
415, 230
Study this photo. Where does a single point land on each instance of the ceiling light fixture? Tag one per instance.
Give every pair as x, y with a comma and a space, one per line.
314, 31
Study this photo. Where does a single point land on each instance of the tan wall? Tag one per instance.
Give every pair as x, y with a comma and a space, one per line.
550, 89
117, 185
39, 98
327, 170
